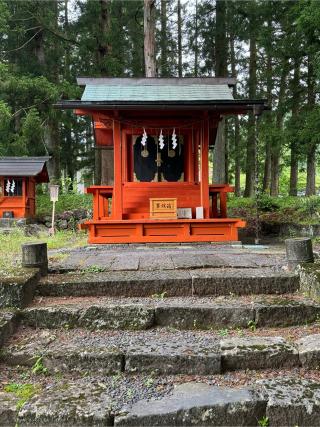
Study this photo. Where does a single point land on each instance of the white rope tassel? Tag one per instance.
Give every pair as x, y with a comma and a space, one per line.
161, 140
8, 187
144, 137
174, 139
13, 186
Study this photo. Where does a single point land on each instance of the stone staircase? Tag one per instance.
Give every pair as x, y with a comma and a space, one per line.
209, 346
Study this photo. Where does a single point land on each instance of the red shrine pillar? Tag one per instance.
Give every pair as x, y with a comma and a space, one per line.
204, 165
117, 185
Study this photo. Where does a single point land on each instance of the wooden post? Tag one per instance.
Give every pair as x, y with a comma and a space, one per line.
204, 184
298, 250
35, 255
117, 186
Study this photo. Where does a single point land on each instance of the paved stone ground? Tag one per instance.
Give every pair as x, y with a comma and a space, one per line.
167, 257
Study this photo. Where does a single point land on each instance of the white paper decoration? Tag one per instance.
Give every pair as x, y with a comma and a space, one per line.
161, 140
144, 137
13, 186
174, 139
8, 187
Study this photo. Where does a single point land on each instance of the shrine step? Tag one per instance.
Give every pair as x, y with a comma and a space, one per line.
201, 282
162, 351
181, 313
277, 398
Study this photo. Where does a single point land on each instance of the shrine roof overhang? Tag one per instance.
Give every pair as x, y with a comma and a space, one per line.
25, 167
226, 106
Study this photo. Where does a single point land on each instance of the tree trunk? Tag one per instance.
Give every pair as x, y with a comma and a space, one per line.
275, 148
179, 39
163, 40
149, 38
268, 118
237, 171
220, 169
103, 46
294, 159
196, 47
311, 152
251, 142
221, 47
52, 142
52, 132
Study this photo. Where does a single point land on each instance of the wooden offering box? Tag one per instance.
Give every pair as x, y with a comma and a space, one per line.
163, 208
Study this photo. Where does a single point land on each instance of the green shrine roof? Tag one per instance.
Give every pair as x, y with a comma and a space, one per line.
149, 92
210, 93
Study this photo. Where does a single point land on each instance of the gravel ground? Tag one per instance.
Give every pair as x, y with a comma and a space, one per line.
158, 337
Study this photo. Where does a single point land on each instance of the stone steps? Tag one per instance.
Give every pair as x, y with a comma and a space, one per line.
200, 282
188, 313
276, 401
160, 351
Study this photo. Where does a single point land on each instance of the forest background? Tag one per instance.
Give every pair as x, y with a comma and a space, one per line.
271, 47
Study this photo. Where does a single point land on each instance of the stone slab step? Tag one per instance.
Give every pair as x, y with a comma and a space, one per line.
203, 282
8, 323
157, 351
198, 404
278, 398
179, 313
284, 402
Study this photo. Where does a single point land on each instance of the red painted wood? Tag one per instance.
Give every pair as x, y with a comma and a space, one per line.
117, 191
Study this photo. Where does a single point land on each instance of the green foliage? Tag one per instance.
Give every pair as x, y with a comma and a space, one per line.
66, 202
38, 368
94, 269
160, 296
252, 325
23, 391
263, 422
266, 203
223, 332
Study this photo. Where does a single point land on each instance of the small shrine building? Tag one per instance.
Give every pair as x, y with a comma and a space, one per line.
159, 131
18, 179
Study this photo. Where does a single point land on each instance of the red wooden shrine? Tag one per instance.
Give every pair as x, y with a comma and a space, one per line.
18, 179
122, 111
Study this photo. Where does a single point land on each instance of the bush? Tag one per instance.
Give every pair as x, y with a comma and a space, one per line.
66, 202
266, 203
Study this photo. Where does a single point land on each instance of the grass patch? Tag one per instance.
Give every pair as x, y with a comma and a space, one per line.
10, 246
23, 392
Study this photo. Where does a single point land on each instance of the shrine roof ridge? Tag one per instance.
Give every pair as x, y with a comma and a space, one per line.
156, 81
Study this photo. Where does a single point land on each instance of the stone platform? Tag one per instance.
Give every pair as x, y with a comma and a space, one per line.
167, 257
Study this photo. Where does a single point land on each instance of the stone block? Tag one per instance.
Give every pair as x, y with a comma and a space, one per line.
8, 409
242, 282
123, 316
257, 353
8, 322
68, 405
204, 316
197, 404
283, 312
18, 291
173, 358
309, 351
291, 402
